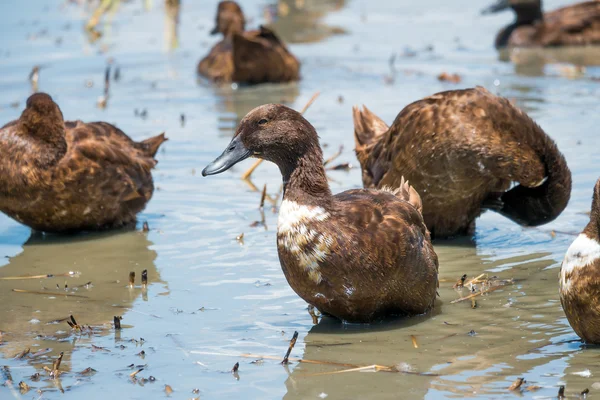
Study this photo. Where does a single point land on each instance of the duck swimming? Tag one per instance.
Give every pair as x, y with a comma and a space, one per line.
461, 150
574, 25
67, 176
246, 56
579, 279
359, 255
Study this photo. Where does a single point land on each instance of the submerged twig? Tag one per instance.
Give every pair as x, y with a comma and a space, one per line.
131, 279
334, 156
262, 197
44, 276
145, 278
50, 293
289, 350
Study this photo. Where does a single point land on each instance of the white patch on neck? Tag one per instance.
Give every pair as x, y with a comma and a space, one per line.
582, 252
294, 234
292, 214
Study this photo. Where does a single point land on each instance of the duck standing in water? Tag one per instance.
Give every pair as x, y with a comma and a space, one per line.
574, 25
359, 255
58, 176
579, 279
461, 150
246, 57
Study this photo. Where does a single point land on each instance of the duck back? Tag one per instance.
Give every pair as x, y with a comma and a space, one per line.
574, 25
101, 181
461, 150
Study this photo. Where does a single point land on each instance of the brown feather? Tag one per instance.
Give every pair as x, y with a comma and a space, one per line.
460, 149
247, 56
100, 180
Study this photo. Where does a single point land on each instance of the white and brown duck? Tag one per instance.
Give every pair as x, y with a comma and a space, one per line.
579, 279
461, 150
249, 57
359, 255
68, 176
574, 25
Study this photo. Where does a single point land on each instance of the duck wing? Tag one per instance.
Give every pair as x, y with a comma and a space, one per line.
218, 64
574, 25
107, 158
260, 56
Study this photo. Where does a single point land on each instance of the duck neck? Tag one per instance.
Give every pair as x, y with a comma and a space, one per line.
529, 13
50, 144
592, 230
304, 180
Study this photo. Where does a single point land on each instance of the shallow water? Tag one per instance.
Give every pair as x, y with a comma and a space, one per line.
211, 298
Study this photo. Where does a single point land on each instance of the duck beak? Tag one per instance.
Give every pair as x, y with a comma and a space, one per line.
500, 5
233, 154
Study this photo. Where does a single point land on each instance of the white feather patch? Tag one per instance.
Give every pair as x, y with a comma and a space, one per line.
294, 234
582, 252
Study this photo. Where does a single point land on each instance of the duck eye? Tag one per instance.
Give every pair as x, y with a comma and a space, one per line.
262, 121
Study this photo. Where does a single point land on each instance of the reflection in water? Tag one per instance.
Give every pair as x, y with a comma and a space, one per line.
533, 61
448, 344
299, 21
104, 259
172, 9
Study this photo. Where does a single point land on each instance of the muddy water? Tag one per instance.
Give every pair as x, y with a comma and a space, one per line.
211, 298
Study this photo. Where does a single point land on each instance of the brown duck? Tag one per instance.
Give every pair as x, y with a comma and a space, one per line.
67, 176
359, 255
246, 57
574, 25
579, 279
461, 150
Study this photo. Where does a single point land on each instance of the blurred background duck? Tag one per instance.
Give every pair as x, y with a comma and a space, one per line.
580, 278
461, 150
58, 176
574, 25
250, 57
359, 255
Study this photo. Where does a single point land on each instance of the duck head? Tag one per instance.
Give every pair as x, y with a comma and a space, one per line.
526, 10
274, 133
43, 121
42, 117
230, 19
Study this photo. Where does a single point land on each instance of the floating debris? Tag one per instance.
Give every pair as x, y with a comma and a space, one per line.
311, 312
34, 77
23, 387
182, 119
145, 227
240, 238
585, 392
446, 77
103, 100
168, 390
517, 384
50, 293
340, 167
487, 285
117, 322
22, 354
144, 278
134, 373
561, 392
461, 282
89, 371
289, 350
414, 341
236, 367
35, 377
131, 279
72, 274
262, 197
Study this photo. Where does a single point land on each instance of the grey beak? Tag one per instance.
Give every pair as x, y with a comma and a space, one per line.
233, 154
215, 30
500, 5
